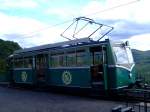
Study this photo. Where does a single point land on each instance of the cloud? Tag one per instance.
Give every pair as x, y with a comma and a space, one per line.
131, 12
97, 9
92, 7
129, 22
27, 31
18, 4
140, 42
15, 24
21, 39
62, 12
125, 29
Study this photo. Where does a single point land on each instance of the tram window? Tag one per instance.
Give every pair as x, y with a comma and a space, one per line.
28, 62
129, 53
71, 59
80, 59
54, 61
10, 63
62, 61
121, 55
18, 63
98, 57
57, 61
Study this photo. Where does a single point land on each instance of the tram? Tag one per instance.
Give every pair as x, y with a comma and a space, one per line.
82, 63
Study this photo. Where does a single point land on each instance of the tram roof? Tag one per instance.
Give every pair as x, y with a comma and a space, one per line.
81, 41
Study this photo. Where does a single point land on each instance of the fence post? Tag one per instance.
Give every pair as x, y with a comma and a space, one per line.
145, 102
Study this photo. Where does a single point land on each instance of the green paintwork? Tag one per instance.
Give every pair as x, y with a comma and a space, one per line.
123, 77
105, 77
27, 78
4, 77
80, 77
117, 77
120, 77
110, 54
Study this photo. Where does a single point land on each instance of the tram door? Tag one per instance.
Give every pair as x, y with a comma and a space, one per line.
41, 67
97, 67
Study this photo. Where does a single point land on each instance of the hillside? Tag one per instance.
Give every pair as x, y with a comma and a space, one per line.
141, 56
142, 60
6, 48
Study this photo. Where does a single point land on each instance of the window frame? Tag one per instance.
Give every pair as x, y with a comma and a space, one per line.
23, 59
66, 53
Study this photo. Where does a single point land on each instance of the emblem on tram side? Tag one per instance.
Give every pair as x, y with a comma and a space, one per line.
24, 76
66, 77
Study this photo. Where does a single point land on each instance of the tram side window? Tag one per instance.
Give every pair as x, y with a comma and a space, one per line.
18, 63
57, 61
28, 62
81, 58
71, 59
62, 61
54, 61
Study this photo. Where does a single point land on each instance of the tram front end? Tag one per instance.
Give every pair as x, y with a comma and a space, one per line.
122, 69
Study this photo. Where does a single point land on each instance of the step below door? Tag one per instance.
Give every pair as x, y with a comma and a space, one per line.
97, 76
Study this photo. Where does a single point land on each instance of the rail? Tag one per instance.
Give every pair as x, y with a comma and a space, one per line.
141, 98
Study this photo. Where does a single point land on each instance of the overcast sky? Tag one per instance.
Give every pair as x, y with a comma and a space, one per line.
29, 22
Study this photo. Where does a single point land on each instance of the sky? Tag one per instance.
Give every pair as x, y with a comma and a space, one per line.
38, 22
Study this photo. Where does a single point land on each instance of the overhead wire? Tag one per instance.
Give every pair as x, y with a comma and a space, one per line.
114, 7
42, 29
101, 11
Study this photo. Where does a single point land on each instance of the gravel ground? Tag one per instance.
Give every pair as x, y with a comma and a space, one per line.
15, 100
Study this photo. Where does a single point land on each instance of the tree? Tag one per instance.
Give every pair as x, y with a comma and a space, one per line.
6, 49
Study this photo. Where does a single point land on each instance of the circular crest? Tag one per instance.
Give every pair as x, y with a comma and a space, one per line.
66, 77
24, 76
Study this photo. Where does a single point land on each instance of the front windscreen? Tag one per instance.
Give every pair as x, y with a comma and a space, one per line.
123, 55
130, 56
